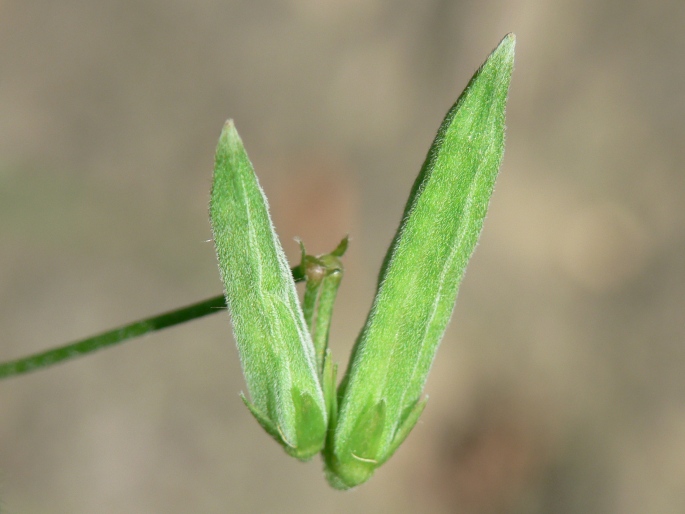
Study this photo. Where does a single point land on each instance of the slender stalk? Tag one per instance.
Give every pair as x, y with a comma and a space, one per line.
115, 336
111, 337
323, 274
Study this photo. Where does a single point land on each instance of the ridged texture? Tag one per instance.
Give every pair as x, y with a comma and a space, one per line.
379, 398
275, 347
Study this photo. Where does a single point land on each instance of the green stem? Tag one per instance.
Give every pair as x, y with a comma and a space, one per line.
311, 294
117, 335
323, 275
324, 313
111, 337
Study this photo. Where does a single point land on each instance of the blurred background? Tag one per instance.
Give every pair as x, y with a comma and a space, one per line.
560, 384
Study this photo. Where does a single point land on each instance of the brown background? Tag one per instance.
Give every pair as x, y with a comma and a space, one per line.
560, 384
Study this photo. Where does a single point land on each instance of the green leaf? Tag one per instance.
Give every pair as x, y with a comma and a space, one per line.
418, 283
276, 350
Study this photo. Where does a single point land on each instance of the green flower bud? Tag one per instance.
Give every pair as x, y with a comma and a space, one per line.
276, 350
380, 395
